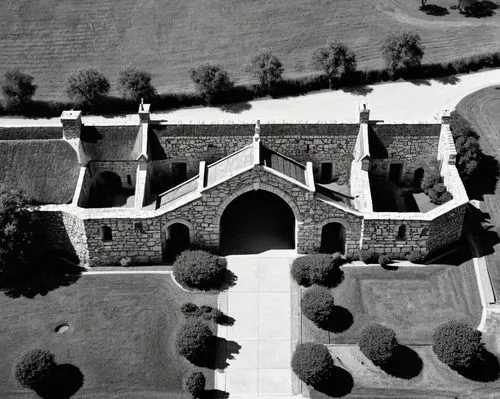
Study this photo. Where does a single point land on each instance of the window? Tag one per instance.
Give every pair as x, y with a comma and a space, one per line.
138, 227
129, 180
326, 172
424, 232
106, 234
401, 233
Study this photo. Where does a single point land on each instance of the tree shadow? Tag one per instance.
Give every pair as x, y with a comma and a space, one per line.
480, 9
486, 369
480, 227
448, 80
357, 90
227, 280
334, 278
225, 320
390, 266
214, 394
340, 321
434, 10
419, 82
62, 382
405, 363
47, 276
484, 179
339, 384
217, 354
236, 108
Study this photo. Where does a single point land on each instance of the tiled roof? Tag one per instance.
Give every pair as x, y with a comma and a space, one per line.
283, 164
111, 143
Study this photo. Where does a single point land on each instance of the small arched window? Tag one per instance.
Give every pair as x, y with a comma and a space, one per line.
106, 234
424, 232
401, 232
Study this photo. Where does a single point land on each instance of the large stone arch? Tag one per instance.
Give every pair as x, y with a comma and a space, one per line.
263, 187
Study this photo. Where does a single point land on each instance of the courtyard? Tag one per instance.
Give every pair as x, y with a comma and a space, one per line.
121, 335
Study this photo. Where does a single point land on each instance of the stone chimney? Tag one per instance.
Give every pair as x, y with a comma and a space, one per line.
364, 113
445, 117
144, 112
256, 136
72, 124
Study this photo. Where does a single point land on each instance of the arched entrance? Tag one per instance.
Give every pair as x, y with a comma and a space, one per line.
255, 222
106, 190
175, 240
332, 238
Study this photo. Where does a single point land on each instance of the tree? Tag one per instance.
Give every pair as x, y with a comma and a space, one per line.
268, 69
15, 232
403, 50
18, 89
317, 305
136, 85
86, 85
457, 344
335, 59
378, 343
211, 81
313, 364
193, 339
33, 367
194, 384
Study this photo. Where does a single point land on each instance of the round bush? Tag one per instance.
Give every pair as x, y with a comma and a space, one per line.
378, 343
199, 269
384, 260
33, 366
194, 384
322, 269
317, 305
457, 344
313, 364
193, 339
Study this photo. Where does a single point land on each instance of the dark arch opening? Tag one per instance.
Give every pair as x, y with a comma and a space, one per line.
401, 232
255, 222
332, 238
175, 240
418, 177
106, 188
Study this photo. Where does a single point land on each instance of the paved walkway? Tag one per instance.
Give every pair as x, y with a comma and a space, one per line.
396, 101
260, 303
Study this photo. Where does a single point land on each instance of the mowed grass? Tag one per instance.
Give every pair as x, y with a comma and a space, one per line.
49, 38
412, 301
121, 336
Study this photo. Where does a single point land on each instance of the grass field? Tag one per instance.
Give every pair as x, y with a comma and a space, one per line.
410, 300
49, 38
121, 335
482, 110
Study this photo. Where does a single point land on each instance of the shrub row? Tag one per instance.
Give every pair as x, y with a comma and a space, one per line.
370, 257
286, 87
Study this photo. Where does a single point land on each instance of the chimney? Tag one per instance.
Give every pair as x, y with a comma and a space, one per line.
445, 117
72, 124
144, 112
256, 136
364, 113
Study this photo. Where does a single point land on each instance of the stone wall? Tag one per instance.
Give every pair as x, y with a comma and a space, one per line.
122, 169
446, 229
138, 239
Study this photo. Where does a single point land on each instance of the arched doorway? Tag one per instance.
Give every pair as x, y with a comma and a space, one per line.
332, 238
175, 240
255, 222
418, 176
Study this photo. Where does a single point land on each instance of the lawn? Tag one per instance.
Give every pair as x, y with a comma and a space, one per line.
121, 336
410, 300
50, 38
481, 109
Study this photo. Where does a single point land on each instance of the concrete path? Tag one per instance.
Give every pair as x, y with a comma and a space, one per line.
260, 303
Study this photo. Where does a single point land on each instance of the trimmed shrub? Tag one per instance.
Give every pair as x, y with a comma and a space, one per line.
199, 269
33, 367
384, 260
368, 257
194, 384
416, 257
322, 269
378, 343
457, 344
313, 364
193, 339
317, 305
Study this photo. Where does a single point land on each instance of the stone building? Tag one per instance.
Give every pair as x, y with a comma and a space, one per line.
147, 190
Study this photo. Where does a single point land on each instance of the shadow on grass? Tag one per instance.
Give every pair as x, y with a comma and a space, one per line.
339, 385
487, 369
40, 280
405, 363
225, 320
227, 280
214, 394
340, 321
484, 179
218, 353
434, 10
480, 9
390, 266
61, 383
